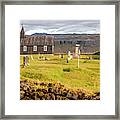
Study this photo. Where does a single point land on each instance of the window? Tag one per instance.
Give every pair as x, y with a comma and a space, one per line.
24, 48
34, 48
45, 48
60, 42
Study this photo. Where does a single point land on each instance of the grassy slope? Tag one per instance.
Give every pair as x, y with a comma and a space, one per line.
86, 77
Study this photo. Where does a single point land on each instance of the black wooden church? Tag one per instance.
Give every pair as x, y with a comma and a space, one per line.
58, 43
36, 44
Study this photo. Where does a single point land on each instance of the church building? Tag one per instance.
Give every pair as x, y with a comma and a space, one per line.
58, 43
36, 44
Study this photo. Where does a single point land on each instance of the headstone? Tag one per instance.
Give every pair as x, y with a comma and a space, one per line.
46, 58
61, 55
69, 56
69, 53
25, 61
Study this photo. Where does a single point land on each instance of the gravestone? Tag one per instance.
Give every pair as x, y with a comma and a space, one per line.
61, 55
69, 53
68, 56
25, 61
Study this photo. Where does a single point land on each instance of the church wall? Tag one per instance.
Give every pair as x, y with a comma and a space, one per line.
40, 50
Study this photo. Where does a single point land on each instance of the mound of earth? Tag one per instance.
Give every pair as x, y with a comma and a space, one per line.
32, 90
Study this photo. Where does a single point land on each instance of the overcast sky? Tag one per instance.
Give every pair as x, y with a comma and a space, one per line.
61, 26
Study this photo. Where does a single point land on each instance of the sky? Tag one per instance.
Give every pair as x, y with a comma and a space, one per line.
60, 26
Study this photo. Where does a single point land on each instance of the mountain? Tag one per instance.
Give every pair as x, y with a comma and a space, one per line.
39, 34
63, 34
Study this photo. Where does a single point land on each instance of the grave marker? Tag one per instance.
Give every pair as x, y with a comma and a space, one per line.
25, 61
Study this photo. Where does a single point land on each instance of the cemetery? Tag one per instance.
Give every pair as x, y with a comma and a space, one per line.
59, 67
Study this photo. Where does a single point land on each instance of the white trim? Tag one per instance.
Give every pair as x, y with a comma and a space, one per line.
24, 48
45, 48
35, 48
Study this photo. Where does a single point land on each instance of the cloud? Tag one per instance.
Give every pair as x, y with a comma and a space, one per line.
61, 26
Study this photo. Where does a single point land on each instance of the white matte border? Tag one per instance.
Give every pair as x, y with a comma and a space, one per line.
104, 13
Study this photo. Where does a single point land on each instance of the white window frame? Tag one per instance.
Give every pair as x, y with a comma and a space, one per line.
45, 48
24, 48
34, 48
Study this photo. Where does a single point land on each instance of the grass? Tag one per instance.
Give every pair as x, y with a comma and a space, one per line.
56, 69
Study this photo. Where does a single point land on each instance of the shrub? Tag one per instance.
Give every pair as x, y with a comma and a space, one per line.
54, 92
66, 69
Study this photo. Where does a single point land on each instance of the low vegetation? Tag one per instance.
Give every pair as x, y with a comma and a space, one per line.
31, 90
56, 70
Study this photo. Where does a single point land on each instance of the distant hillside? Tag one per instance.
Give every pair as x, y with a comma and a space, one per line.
39, 34
62, 34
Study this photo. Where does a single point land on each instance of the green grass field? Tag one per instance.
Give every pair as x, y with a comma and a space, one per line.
56, 69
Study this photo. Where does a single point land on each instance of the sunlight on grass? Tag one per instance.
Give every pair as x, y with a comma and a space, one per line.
56, 69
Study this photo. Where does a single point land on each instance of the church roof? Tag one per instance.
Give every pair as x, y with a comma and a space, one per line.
38, 40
